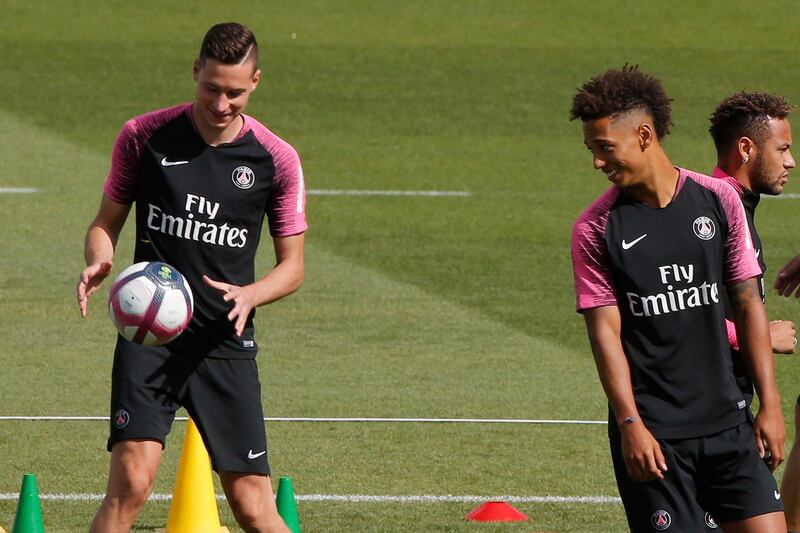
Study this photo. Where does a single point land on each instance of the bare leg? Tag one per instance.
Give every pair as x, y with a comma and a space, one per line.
130, 480
790, 486
765, 523
253, 502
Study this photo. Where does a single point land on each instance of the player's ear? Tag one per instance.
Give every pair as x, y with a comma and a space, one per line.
196, 69
746, 149
646, 135
256, 78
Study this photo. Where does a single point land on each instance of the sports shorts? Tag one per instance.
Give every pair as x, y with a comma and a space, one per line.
222, 396
709, 481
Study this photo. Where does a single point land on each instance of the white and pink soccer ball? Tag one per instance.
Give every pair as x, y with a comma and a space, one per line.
150, 303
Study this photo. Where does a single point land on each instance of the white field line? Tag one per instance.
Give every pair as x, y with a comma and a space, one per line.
364, 192
355, 419
17, 190
361, 498
784, 196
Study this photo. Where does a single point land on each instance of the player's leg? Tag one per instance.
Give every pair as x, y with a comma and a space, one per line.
130, 479
224, 399
144, 383
765, 523
738, 487
253, 502
669, 504
790, 486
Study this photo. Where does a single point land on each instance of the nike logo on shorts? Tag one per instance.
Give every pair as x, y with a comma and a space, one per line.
629, 245
251, 455
776, 494
165, 163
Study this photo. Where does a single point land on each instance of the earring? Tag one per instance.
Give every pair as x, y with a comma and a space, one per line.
745, 159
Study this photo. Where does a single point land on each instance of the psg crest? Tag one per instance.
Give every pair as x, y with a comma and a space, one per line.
704, 228
243, 177
661, 520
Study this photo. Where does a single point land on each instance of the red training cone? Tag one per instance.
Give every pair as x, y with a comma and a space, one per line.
496, 512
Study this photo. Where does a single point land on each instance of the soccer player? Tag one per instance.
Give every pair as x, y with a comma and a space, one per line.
203, 175
651, 257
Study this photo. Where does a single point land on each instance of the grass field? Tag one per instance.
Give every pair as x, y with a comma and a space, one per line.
413, 306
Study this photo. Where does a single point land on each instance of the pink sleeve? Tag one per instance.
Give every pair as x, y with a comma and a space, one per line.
593, 284
120, 184
732, 340
286, 209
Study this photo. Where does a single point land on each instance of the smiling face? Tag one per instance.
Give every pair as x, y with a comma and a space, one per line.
618, 146
222, 94
773, 160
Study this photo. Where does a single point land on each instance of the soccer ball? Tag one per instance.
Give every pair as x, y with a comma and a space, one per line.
150, 303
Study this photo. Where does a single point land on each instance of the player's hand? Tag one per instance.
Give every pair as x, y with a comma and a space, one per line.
783, 335
89, 281
643, 457
770, 434
788, 277
243, 299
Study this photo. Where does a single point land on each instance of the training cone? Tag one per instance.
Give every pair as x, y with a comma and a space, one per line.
287, 505
496, 512
194, 505
29, 510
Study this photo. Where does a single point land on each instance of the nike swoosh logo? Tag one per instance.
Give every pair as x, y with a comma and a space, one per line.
777, 495
251, 455
629, 245
758, 253
165, 163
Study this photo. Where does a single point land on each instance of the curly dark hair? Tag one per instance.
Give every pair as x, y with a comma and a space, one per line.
746, 114
229, 43
619, 91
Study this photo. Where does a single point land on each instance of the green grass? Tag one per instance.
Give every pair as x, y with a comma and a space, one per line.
432, 307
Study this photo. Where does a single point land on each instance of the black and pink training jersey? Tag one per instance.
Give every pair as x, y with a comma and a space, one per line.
201, 208
666, 269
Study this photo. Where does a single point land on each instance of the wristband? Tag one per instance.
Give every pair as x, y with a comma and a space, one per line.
628, 420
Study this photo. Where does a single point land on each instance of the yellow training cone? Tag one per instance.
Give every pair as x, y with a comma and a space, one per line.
194, 505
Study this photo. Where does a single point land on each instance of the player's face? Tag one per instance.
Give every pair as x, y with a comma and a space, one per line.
223, 91
773, 161
616, 146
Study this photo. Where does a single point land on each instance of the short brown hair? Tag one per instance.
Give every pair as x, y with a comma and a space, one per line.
745, 114
229, 43
620, 91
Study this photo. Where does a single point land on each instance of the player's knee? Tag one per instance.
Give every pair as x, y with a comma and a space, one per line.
250, 511
132, 489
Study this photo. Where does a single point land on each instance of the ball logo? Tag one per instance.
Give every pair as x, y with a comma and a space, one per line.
710, 522
243, 177
661, 520
165, 272
121, 419
704, 228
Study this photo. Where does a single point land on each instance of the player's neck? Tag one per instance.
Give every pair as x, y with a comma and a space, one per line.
215, 136
738, 171
658, 184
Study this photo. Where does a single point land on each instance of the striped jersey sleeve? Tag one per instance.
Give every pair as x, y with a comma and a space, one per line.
740, 258
286, 209
593, 284
120, 184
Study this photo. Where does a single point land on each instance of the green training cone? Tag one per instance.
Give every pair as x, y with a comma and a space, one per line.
287, 505
29, 510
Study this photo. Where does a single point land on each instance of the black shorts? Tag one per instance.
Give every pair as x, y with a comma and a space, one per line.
720, 473
223, 397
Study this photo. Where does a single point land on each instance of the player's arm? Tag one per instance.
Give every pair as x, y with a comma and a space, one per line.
753, 333
641, 452
788, 278
99, 244
285, 278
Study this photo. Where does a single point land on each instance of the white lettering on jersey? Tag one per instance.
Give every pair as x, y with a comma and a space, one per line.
301, 187
203, 205
677, 273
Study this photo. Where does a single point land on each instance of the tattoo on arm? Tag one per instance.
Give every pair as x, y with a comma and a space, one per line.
740, 294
